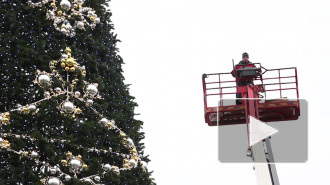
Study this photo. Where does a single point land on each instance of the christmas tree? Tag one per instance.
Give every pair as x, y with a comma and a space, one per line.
66, 116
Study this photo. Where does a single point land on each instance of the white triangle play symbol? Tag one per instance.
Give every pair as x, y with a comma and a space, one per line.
259, 130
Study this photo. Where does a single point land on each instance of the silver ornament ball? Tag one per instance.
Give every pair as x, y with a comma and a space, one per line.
107, 167
65, 4
0, 119
67, 177
80, 25
97, 20
32, 108
144, 164
103, 121
89, 102
77, 93
97, 178
63, 30
44, 79
1, 140
34, 154
53, 181
68, 107
57, 89
91, 89
88, 180
133, 162
47, 94
75, 164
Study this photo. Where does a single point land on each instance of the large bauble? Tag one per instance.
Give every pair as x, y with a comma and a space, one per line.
53, 181
68, 107
107, 167
65, 4
44, 79
91, 89
75, 164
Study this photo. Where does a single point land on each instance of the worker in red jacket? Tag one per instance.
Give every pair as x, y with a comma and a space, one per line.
242, 82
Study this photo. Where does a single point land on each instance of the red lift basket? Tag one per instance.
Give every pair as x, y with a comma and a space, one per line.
269, 110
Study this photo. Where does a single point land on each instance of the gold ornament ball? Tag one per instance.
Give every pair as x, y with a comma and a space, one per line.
72, 69
69, 55
109, 124
134, 150
53, 5
64, 162
69, 16
69, 154
75, 6
59, 12
70, 62
26, 153
84, 166
63, 64
67, 68
92, 18
135, 158
63, 26
126, 165
79, 157
60, 79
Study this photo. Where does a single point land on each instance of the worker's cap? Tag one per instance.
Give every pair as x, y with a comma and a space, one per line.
245, 54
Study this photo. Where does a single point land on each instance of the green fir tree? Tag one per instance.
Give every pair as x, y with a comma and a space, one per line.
66, 116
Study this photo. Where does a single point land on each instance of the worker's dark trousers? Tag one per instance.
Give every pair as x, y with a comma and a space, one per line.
238, 101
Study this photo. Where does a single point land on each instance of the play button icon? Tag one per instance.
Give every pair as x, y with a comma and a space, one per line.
259, 130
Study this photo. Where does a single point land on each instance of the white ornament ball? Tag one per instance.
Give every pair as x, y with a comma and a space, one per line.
116, 171
133, 162
0, 119
64, 55
63, 30
88, 180
103, 121
47, 94
77, 93
57, 89
97, 178
68, 107
51, 15
65, 4
107, 167
34, 154
130, 142
144, 164
32, 108
75, 163
97, 20
1, 140
80, 25
52, 170
44, 79
91, 89
53, 181
89, 102
67, 177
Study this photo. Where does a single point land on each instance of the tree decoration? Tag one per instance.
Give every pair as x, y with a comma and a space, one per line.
67, 107
68, 15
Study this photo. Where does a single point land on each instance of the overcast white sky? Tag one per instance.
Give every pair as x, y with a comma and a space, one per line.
168, 44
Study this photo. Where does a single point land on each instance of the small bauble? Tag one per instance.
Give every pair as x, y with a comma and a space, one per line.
133, 162
32, 108
65, 4
68, 107
52, 170
67, 177
80, 25
47, 94
107, 167
97, 178
130, 142
65, 56
85, 167
53, 181
77, 93
144, 164
44, 79
34, 154
51, 15
75, 164
97, 20
0, 120
91, 89
88, 180
89, 102
103, 121
57, 90
63, 30
1, 140
68, 154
